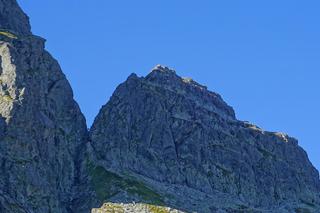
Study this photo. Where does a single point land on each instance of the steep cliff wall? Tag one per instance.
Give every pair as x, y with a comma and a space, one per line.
161, 144
43, 132
184, 140
12, 18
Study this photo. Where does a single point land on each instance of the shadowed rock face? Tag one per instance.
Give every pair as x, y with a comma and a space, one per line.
42, 131
12, 18
184, 140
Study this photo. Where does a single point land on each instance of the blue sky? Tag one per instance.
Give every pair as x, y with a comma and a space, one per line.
261, 56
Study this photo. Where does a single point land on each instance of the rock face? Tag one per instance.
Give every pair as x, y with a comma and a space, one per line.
42, 131
185, 143
12, 18
161, 144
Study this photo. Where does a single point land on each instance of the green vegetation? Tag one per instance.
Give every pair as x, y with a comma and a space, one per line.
157, 209
147, 194
119, 208
8, 34
7, 98
108, 184
112, 208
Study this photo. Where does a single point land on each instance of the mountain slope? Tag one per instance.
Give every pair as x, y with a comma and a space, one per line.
161, 144
185, 142
43, 132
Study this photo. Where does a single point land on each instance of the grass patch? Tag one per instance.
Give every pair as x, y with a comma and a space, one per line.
138, 188
7, 98
110, 207
8, 34
108, 184
120, 208
157, 209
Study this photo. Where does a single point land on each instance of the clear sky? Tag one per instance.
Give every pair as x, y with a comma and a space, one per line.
263, 57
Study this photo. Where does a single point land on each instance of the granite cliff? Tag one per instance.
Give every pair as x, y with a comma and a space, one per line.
162, 143
43, 131
13, 18
186, 144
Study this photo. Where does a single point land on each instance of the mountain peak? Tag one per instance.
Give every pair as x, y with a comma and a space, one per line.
13, 19
179, 138
162, 69
163, 75
159, 72
167, 78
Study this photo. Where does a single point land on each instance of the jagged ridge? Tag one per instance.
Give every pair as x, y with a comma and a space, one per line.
183, 140
161, 140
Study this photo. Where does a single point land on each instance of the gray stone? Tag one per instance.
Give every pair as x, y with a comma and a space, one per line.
161, 144
12, 18
43, 133
183, 140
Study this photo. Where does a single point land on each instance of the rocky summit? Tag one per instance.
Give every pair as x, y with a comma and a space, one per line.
185, 143
162, 143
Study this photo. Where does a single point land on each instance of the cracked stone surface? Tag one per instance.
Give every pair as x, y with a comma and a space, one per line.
13, 18
179, 138
162, 143
43, 132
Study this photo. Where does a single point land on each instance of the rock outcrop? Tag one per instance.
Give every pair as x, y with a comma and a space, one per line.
185, 143
12, 18
161, 144
42, 130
